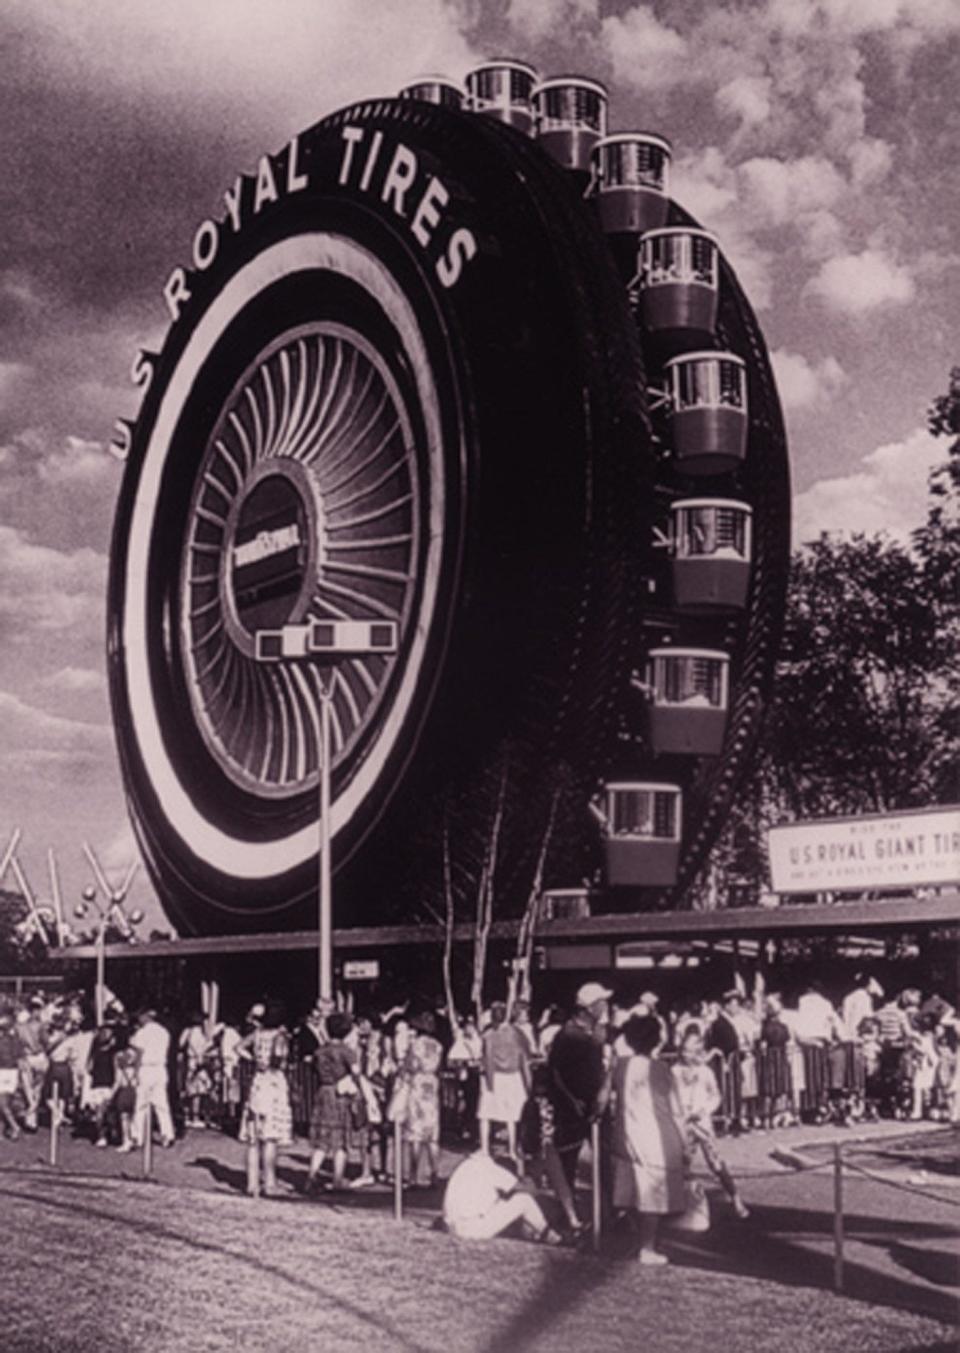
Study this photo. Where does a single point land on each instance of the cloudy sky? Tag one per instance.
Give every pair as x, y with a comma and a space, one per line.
818, 138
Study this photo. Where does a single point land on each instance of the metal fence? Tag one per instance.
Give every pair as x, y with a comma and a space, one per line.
806, 1082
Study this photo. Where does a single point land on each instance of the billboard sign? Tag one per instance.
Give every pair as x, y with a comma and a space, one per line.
902, 850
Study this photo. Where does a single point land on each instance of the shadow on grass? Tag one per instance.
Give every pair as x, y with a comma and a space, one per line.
941, 1267
220, 1173
567, 1280
763, 1248
158, 1231
235, 1177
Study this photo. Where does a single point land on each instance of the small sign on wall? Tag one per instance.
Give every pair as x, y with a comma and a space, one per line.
361, 969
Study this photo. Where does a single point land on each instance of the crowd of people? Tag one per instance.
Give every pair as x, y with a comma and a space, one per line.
664, 1083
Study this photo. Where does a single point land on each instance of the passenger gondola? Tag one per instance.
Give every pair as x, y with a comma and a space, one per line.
641, 823
711, 545
688, 692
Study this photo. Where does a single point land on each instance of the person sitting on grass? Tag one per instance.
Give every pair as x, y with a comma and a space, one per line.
483, 1199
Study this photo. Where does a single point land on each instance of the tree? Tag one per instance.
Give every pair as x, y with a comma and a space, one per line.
856, 720
937, 543
864, 713
21, 949
943, 519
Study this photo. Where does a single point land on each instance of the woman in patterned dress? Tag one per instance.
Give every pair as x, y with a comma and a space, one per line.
267, 1121
338, 1120
421, 1068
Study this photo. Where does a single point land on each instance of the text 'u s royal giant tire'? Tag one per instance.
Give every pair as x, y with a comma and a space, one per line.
401, 384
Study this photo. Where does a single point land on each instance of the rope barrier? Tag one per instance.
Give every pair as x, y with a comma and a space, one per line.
55, 1126
398, 1170
147, 1129
596, 1199
904, 1188
837, 1217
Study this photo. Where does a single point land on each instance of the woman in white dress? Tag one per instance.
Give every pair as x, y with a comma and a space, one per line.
648, 1144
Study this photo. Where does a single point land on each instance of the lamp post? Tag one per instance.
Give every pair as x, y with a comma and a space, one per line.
114, 904
328, 639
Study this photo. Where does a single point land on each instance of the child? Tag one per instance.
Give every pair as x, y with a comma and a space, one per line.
9, 1073
924, 1056
699, 1095
125, 1094
100, 1079
267, 1120
871, 1050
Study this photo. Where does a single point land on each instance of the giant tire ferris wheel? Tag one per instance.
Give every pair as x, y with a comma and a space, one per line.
409, 382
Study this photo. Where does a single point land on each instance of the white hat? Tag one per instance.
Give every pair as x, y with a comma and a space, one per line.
590, 992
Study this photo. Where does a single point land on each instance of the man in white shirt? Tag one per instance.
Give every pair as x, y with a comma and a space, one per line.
816, 1021
858, 1004
152, 1044
483, 1199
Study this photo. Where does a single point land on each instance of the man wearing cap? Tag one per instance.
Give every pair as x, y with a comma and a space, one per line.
577, 1089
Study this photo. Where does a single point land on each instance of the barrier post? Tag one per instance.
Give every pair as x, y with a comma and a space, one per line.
837, 1217
148, 1143
398, 1170
55, 1126
595, 1200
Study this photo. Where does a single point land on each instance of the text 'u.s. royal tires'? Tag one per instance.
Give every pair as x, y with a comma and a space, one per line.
401, 384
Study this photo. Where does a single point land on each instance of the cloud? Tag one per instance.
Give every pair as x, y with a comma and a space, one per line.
31, 731
538, 19
803, 384
888, 493
18, 287
645, 53
926, 18
12, 374
77, 460
778, 191
870, 161
121, 849
299, 60
855, 284
46, 589
747, 98
706, 184
75, 680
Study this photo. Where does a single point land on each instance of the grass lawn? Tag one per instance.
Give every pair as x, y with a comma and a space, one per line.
116, 1266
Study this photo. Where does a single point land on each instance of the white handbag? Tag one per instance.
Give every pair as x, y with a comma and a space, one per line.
696, 1213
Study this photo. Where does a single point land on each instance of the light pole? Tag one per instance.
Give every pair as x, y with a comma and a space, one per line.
329, 639
114, 904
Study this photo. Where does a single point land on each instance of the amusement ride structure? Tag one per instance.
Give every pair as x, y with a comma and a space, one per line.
463, 459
